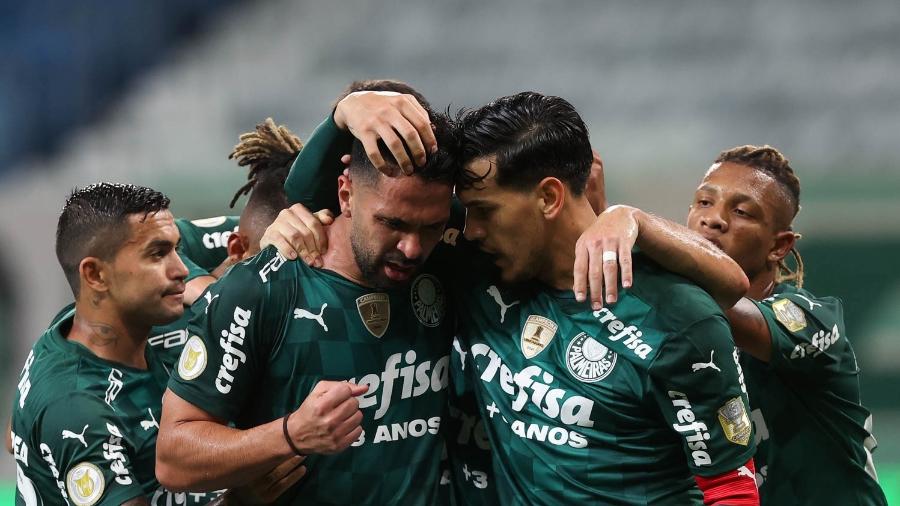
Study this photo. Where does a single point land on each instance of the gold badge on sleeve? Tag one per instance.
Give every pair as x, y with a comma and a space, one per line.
735, 421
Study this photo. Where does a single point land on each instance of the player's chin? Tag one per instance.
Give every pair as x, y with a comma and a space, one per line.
168, 312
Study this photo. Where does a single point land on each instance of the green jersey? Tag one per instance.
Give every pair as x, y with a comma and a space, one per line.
84, 428
204, 243
273, 329
622, 405
469, 465
814, 437
617, 406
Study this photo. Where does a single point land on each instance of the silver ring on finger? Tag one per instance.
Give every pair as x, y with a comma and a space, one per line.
610, 256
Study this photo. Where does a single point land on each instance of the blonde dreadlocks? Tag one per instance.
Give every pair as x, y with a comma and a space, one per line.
270, 149
770, 161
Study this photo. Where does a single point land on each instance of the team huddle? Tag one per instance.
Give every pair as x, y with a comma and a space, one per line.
418, 309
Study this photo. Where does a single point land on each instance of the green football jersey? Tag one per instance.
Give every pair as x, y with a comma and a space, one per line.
814, 437
625, 404
469, 472
273, 329
84, 428
204, 243
617, 406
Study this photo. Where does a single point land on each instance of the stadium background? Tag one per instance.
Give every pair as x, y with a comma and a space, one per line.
156, 93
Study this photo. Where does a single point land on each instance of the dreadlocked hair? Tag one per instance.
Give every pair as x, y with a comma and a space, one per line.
770, 161
269, 151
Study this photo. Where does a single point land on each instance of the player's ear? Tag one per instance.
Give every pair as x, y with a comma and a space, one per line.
237, 246
94, 274
551, 194
784, 241
345, 193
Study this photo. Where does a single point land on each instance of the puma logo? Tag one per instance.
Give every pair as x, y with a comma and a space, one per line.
302, 313
704, 365
462, 353
745, 471
149, 424
495, 294
812, 305
67, 434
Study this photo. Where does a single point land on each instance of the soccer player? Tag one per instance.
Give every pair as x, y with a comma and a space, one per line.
609, 405
276, 335
85, 416
814, 436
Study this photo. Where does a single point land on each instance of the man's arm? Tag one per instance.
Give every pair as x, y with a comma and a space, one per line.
219, 369
699, 390
92, 451
609, 241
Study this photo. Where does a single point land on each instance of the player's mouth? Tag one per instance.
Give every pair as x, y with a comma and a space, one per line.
398, 272
715, 241
176, 293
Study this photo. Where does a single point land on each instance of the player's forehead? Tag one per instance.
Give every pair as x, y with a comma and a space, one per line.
158, 226
411, 199
736, 181
485, 190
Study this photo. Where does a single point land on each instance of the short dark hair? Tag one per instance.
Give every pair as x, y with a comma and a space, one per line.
440, 167
94, 223
382, 85
533, 136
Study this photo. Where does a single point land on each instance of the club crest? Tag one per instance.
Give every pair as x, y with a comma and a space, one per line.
427, 299
375, 312
537, 334
588, 360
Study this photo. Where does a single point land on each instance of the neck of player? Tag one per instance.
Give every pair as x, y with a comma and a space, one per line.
763, 283
574, 218
109, 335
339, 256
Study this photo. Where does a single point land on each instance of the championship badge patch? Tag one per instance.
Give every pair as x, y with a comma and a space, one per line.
588, 360
193, 359
735, 421
537, 334
789, 314
85, 484
375, 312
427, 299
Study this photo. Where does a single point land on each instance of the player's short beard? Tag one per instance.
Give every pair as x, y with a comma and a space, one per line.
370, 264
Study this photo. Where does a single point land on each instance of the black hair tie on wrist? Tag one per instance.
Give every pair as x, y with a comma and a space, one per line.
287, 437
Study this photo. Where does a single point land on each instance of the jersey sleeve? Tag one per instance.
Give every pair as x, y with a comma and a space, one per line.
312, 180
696, 383
88, 445
808, 335
231, 339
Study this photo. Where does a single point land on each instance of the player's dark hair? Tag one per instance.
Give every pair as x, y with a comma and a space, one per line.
94, 223
770, 161
269, 151
382, 85
440, 167
532, 136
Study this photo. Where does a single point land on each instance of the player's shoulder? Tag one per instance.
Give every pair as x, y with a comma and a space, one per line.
268, 267
53, 378
797, 309
674, 301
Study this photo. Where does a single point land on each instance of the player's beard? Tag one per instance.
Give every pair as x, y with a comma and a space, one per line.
371, 264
